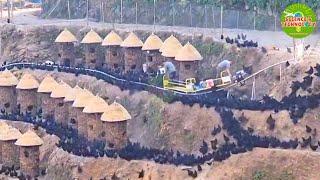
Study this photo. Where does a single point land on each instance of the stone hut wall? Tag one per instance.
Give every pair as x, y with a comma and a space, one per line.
187, 70
8, 99
113, 58
116, 134
27, 100
95, 127
29, 160
1, 144
153, 60
133, 60
61, 111
10, 154
72, 115
66, 54
82, 119
47, 105
92, 58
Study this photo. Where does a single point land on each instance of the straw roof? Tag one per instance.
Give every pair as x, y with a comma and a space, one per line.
170, 47
71, 94
132, 41
96, 105
10, 134
82, 99
153, 42
66, 37
3, 127
8, 79
28, 82
60, 90
112, 39
91, 38
115, 113
188, 53
28, 139
47, 85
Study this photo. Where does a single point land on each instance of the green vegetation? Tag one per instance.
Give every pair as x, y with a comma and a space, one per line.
210, 49
154, 114
259, 175
272, 174
189, 139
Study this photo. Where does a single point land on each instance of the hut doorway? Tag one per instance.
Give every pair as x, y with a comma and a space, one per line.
67, 62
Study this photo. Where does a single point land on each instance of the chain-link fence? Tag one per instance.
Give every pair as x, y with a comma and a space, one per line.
163, 13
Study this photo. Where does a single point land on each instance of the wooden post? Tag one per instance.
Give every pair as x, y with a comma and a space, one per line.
69, 13
253, 91
190, 14
221, 19
280, 73
121, 8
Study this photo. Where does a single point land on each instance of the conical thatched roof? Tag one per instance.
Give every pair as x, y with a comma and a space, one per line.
132, 41
8, 79
96, 105
188, 53
115, 113
82, 99
170, 47
3, 127
47, 85
112, 39
71, 94
28, 82
60, 90
10, 134
66, 37
153, 42
91, 38
29, 139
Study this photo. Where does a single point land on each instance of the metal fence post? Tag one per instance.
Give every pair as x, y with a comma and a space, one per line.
103, 20
221, 19
213, 19
275, 22
238, 16
69, 14
136, 6
121, 8
87, 12
8, 8
254, 19
205, 16
154, 12
1, 11
173, 14
190, 13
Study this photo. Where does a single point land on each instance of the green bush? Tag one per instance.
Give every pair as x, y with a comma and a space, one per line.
259, 175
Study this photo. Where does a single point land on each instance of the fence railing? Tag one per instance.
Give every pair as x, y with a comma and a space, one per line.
163, 13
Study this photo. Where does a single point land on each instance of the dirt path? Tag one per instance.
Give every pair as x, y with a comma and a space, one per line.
265, 38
